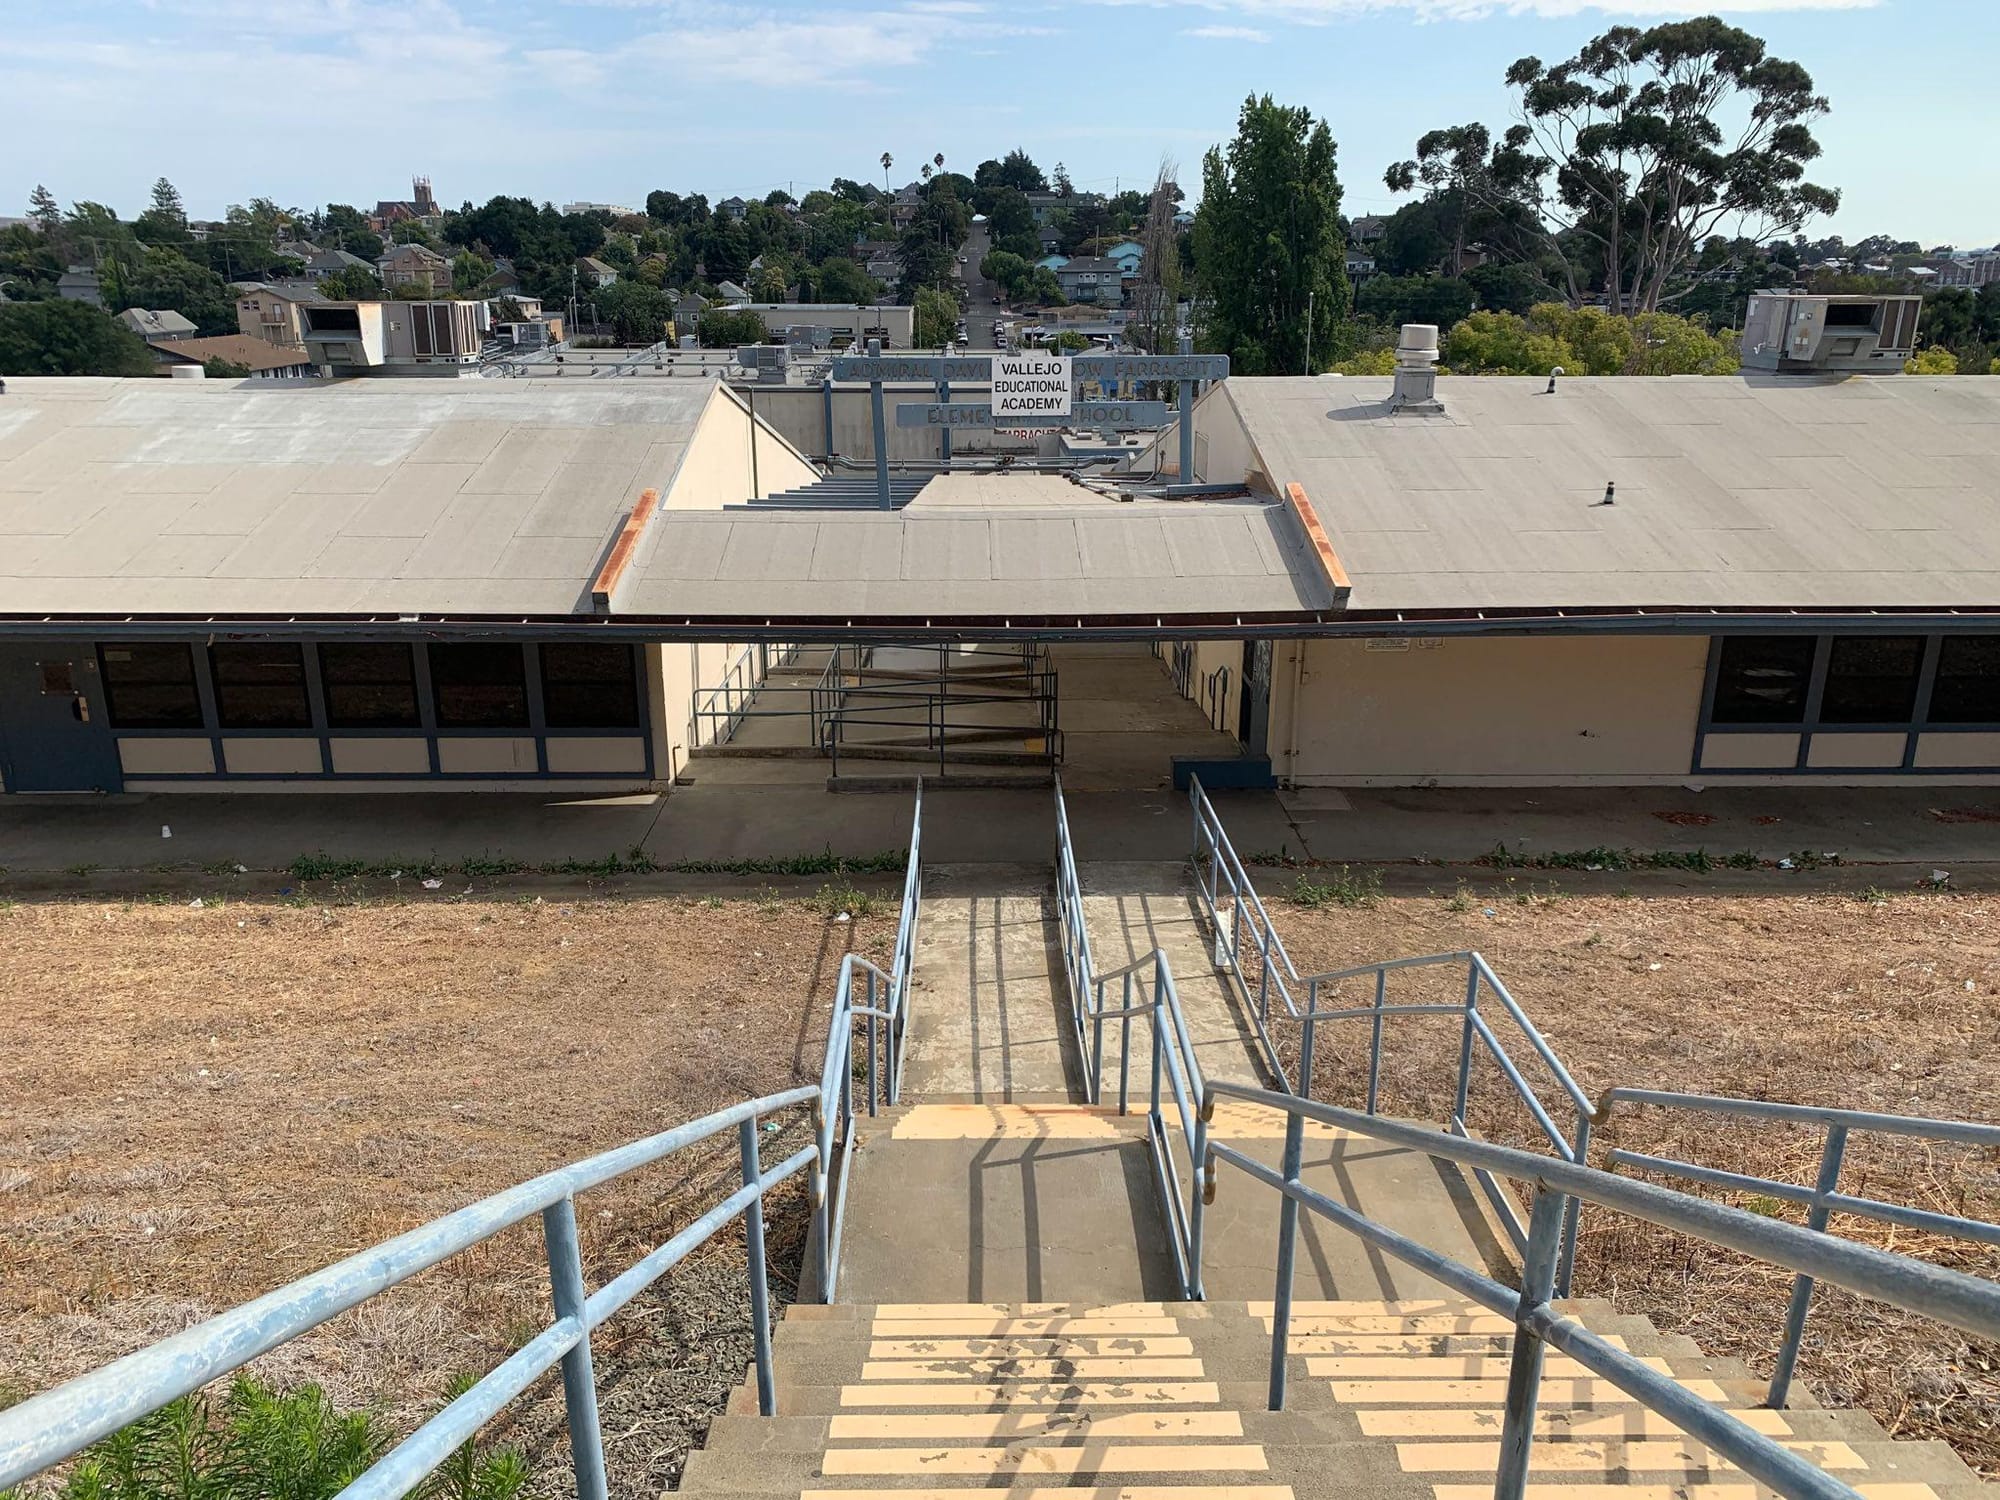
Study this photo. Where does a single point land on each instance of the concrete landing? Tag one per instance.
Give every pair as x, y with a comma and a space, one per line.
996, 1204
1034, 1200
990, 1017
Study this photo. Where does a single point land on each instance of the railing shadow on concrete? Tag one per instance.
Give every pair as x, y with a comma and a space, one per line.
46, 1429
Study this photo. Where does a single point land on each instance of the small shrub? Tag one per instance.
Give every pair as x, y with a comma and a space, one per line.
259, 1444
323, 866
1460, 900
1344, 888
486, 866
839, 896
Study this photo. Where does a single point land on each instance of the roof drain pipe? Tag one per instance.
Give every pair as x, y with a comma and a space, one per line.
1416, 372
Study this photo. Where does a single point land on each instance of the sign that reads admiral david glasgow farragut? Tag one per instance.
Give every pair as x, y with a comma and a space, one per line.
1031, 385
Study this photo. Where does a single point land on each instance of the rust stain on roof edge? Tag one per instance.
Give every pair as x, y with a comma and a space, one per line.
1336, 575
606, 582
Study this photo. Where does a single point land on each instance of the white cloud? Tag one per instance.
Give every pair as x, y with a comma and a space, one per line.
1228, 33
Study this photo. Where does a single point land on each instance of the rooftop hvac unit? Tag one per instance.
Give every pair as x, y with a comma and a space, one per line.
1793, 333
763, 356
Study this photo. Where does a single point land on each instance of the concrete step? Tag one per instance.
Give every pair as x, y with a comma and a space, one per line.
1086, 1422
1329, 1467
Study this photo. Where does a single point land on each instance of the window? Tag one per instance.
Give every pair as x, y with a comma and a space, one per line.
479, 686
260, 685
1871, 679
1967, 690
371, 686
1762, 679
150, 686
589, 685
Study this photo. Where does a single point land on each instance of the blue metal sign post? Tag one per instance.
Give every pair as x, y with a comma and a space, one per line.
1112, 371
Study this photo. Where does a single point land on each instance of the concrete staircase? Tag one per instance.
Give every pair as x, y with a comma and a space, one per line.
1012, 1322
1164, 1400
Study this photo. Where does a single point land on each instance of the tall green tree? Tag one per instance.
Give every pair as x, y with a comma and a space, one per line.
167, 279
936, 320
1634, 152
67, 338
1269, 258
43, 209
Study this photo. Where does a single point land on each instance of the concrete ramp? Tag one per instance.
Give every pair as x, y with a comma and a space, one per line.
1133, 908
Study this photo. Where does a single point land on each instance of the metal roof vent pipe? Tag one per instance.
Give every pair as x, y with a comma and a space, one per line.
1416, 369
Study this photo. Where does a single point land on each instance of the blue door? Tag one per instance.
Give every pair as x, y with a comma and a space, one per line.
54, 733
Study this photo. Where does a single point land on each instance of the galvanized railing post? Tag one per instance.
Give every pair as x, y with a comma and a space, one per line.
1375, 1040
760, 1288
1524, 1373
1124, 1042
1802, 1286
566, 1290
1572, 1224
1095, 1062
869, 976
1308, 1035
1288, 1239
1198, 1153
1465, 1042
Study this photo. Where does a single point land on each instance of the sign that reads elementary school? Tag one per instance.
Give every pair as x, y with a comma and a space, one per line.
1031, 385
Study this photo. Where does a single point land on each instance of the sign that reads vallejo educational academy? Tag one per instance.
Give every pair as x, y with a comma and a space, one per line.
1031, 385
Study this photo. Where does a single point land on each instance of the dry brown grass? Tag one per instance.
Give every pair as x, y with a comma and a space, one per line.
197, 1105
1890, 1003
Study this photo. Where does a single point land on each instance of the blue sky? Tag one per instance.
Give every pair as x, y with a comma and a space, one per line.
315, 101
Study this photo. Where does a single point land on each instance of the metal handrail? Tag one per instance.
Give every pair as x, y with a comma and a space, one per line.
1248, 929
1965, 1302
1220, 875
736, 689
1176, 1070
48, 1428
1823, 1199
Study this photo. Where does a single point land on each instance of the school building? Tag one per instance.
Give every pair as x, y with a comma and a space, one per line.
487, 584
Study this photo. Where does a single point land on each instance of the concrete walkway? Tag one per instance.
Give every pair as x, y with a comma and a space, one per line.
1921, 826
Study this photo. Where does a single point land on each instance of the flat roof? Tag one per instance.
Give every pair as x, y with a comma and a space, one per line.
440, 496
1744, 493
1089, 561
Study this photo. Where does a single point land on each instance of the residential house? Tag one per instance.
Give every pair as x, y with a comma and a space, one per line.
1968, 268
327, 263
731, 293
81, 284
1052, 262
152, 326
594, 273
299, 250
270, 311
1094, 279
736, 208
1049, 238
1045, 205
1129, 254
1367, 229
1360, 264
415, 267
264, 361
616, 211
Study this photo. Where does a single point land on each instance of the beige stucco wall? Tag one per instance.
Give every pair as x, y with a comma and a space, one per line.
1501, 711
1222, 451
715, 469
682, 669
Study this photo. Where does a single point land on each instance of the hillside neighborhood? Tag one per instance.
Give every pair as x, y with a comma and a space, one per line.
1304, 828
